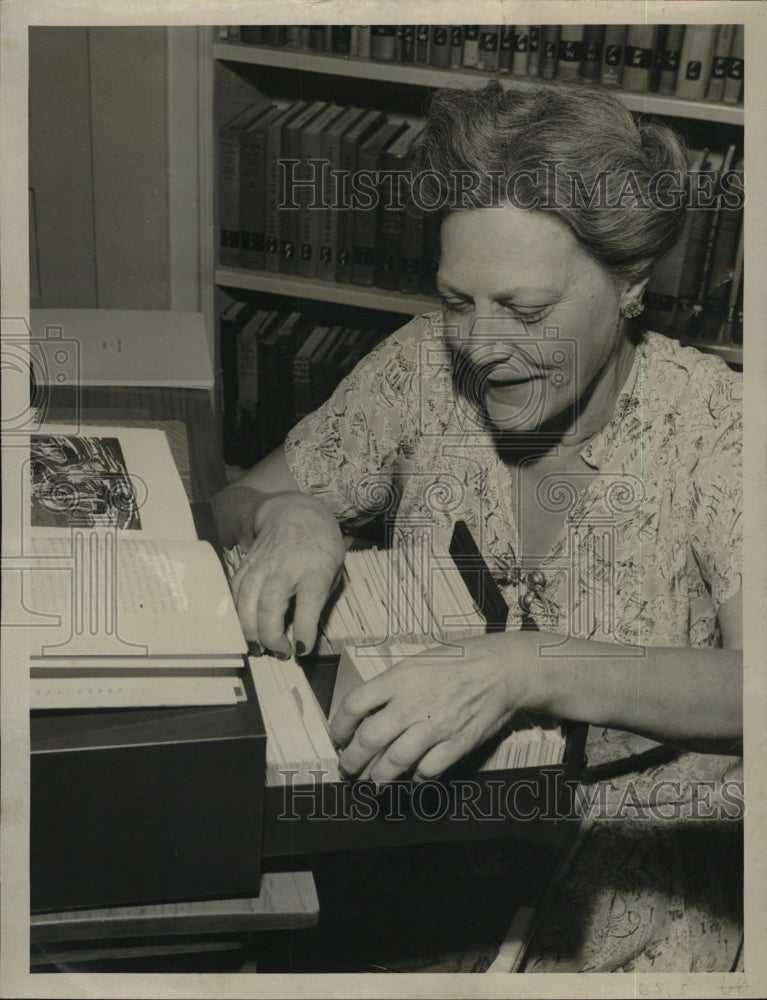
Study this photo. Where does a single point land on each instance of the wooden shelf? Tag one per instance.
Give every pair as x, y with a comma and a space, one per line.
324, 291
429, 76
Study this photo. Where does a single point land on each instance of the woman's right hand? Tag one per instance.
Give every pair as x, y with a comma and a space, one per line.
297, 550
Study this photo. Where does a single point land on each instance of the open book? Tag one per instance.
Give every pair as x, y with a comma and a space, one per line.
115, 581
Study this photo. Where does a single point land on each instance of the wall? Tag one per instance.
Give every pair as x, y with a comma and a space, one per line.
99, 152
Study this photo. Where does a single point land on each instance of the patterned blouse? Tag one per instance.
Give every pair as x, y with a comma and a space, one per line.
649, 548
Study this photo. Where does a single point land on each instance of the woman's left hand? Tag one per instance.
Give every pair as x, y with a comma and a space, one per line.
424, 714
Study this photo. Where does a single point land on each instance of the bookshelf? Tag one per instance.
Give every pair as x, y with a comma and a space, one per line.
235, 71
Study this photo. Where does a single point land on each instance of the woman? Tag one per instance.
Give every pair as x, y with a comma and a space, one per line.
598, 468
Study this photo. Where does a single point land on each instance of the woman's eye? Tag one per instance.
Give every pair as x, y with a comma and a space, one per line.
528, 315
456, 305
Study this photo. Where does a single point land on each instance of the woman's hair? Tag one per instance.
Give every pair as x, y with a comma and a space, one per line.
574, 150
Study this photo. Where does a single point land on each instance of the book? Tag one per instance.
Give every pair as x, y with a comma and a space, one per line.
406, 36
274, 185
470, 45
229, 182
718, 75
721, 271
639, 56
249, 379
412, 248
670, 56
334, 190
613, 54
391, 210
303, 400
549, 51
521, 50
533, 62
352, 138
289, 205
166, 348
383, 42
570, 51
365, 215
340, 39
591, 58
456, 46
506, 48
253, 190
668, 280
310, 199
422, 43
116, 574
363, 41
439, 49
695, 61
733, 85
489, 40
231, 321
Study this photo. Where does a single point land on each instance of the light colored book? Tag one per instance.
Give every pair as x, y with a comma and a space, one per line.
121, 347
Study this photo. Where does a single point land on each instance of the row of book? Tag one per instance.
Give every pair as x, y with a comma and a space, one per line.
692, 62
298, 195
696, 292
277, 366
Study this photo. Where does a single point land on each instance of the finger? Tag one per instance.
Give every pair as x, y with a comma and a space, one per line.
311, 596
273, 601
248, 564
358, 703
439, 759
400, 756
246, 602
371, 736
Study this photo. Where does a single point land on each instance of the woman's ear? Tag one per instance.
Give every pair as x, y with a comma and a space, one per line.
631, 297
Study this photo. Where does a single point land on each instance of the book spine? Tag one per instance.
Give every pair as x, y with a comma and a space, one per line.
273, 197
489, 40
422, 40
533, 62
290, 217
505, 48
363, 41
412, 249
345, 224
318, 38
613, 56
407, 44
456, 46
340, 39
695, 61
388, 243
521, 50
292, 36
593, 43
229, 197
253, 199
549, 51
331, 210
733, 85
253, 34
430, 261
470, 45
309, 202
718, 75
274, 35
383, 42
671, 55
570, 51
439, 55
640, 56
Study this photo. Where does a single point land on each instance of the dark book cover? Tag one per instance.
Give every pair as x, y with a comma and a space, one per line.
253, 191
383, 42
228, 170
274, 184
289, 209
391, 214
440, 46
365, 219
359, 132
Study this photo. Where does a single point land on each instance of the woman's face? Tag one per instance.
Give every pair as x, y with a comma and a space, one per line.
533, 321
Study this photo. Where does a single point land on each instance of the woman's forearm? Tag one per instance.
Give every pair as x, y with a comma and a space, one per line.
686, 697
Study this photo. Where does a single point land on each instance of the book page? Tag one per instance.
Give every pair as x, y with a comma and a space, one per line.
106, 477
99, 593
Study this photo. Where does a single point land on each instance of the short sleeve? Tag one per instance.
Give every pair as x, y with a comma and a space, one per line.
346, 450
717, 496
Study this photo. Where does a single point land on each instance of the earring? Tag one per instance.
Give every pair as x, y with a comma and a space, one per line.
633, 308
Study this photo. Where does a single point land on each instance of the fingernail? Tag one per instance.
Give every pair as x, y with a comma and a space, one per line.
300, 648
254, 648
281, 656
